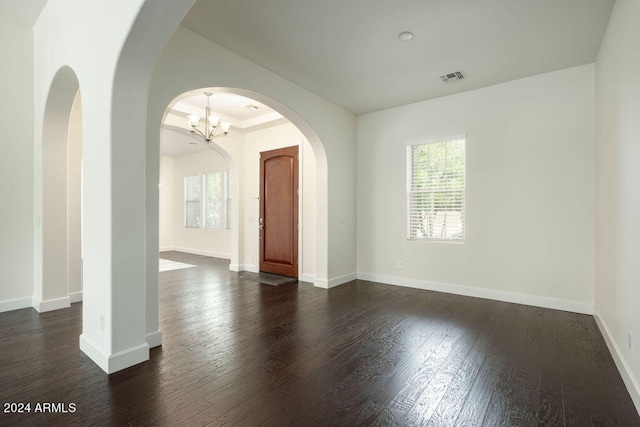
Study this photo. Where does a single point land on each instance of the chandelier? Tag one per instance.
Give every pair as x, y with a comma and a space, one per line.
212, 125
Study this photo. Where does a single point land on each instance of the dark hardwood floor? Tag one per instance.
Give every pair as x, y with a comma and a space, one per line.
237, 352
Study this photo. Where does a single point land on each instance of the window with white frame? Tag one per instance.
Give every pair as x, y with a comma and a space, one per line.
213, 200
214, 189
192, 201
435, 189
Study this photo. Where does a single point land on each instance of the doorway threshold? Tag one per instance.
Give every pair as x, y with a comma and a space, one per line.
267, 278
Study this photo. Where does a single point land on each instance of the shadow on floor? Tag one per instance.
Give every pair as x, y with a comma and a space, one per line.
267, 278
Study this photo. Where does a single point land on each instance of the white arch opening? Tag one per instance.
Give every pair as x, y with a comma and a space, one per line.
240, 151
58, 269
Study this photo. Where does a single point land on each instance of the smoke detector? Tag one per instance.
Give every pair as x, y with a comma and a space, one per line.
405, 36
451, 77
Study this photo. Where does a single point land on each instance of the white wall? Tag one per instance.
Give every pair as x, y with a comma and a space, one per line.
166, 238
74, 202
529, 192
308, 207
16, 165
617, 190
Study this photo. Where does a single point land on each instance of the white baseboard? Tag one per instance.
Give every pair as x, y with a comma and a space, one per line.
197, 252
75, 296
251, 268
111, 363
307, 278
336, 281
94, 352
40, 306
244, 267
154, 339
632, 383
51, 304
498, 295
15, 304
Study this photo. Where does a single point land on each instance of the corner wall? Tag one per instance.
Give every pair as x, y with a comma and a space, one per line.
617, 191
529, 193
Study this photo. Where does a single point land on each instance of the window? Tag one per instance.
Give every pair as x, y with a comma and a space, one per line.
227, 177
435, 189
192, 201
213, 200
216, 194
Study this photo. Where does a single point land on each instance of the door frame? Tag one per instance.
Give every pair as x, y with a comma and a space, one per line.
265, 265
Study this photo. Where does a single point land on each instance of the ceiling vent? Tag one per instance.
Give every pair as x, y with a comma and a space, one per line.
452, 77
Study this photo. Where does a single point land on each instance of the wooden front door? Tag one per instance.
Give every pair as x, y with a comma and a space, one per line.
278, 221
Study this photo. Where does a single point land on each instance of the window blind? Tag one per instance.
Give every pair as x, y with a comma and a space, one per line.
192, 201
435, 189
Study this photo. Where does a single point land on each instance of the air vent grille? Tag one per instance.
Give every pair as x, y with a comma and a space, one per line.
451, 77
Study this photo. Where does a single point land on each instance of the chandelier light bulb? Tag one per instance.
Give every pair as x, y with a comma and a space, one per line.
212, 124
194, 120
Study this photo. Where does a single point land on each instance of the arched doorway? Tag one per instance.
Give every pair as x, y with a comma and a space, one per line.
59, 267
255, 127
146, 80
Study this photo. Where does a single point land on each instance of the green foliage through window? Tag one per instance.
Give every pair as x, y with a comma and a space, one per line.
435, 181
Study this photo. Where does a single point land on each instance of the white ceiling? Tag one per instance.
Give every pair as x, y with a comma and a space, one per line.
348, 51
174, 142
176, 139
229, 107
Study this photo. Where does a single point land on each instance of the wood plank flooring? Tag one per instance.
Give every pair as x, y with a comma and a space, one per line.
237, 352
